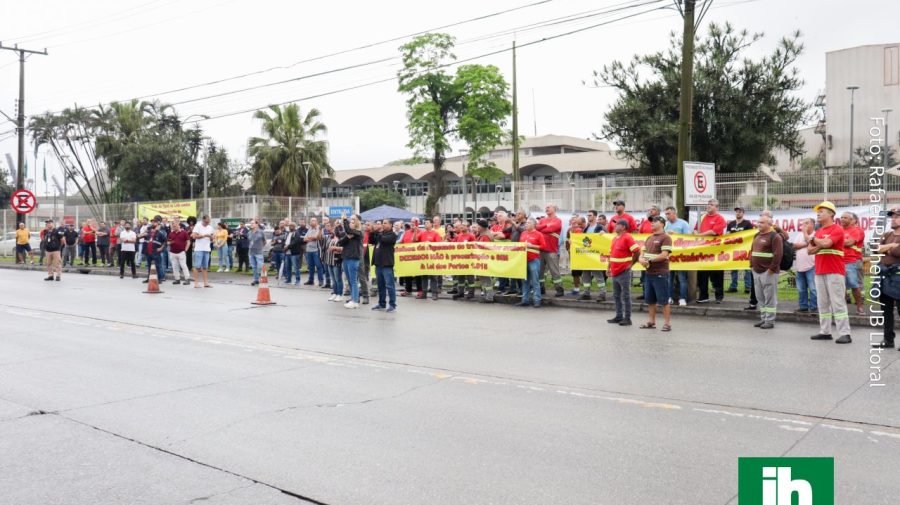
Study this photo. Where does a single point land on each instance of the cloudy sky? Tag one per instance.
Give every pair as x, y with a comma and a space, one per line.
102, 51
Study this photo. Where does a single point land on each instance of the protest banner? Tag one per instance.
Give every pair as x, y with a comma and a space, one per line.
491, 259
181, 208
590, 251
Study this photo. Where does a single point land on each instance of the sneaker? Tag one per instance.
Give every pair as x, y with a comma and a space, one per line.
254, 283
843, 339
420, 295
49, 278
351, 305
884, 344
757, 325
625, 322
732, 290
145, 281
615, 320
57, 278
574, 292
766, 326
682, 303
703, 300
585, 296
391, 309
801, 310
365, 300
750, 307
378, 307
671, 302
820, 336
332, 297
523, 303
176, 282
308, 283
718, 301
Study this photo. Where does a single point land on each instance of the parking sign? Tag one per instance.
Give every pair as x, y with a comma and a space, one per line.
699, 182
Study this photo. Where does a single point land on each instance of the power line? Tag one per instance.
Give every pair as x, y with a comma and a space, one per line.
457, 62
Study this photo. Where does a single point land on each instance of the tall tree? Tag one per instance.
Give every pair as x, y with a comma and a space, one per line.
471, 106
289, 139
743, 109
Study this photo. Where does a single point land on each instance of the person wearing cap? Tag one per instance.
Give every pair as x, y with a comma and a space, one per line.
889, 275
765, 259
533, 239
854, 237
655, 260
646, 227
675, 224
621, 214
487, 283
53, 241
623, 254
828, 246
154, 240
463, 285
70, 252
739, 224
551, 227
711, 224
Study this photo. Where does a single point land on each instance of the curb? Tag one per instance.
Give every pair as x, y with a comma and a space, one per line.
708, 311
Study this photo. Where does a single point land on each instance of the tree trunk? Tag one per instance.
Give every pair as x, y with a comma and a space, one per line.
436, 189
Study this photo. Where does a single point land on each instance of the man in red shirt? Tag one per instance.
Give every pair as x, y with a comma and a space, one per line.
487, 283
620, 214
89, 239
178, 242
461, 283
551, 226
711, 224
534, 241
502, 232
854, 236
827, 245
429, 282
623, 254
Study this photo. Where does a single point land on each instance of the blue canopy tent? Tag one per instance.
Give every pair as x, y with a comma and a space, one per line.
387, 212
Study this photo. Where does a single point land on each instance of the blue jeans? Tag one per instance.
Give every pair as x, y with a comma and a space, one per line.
682, 284
291, 264
806, 285
337, 286
314, 264
532, 283
351, 268
155, 259
384, 276
277, 258
748, 279
256, 263
224, 257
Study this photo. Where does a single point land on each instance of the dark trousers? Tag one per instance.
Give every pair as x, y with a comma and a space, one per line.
126, 257
387, 292
243, 257
104, 254
90, 250
890, 305
718, 281
753, 300
156, 259
408, 283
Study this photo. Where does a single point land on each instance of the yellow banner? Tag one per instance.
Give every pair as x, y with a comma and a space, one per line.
489, 259
182, 208
590, 251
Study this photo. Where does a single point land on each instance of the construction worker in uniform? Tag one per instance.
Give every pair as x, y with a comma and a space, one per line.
765, 258
487, 283
551, 226
461, 283
828, 246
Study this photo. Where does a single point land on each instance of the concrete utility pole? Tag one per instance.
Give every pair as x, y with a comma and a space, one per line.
687, 96
20, 118
850, 187
515, 133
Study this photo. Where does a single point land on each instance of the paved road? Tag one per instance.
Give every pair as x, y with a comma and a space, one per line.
108, 395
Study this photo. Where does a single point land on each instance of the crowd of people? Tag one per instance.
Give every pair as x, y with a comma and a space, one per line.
826, 256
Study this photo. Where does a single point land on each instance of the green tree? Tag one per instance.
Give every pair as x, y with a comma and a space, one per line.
289, 139
471, 106
375, 197
6, 188
743, 109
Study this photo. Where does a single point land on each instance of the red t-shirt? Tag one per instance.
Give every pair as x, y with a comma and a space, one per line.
506, 229
627, 217
534, 242
88, 235
113, 236
484, 238
178, 241
464, 237
621, 253
646, 227
831, 260
853, 253
429, 236
407, 237
714, 222
550, 227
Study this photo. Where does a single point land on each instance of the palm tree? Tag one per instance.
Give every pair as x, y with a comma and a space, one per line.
289, 140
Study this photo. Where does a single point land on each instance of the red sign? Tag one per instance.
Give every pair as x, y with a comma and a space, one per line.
23, 201
700, 182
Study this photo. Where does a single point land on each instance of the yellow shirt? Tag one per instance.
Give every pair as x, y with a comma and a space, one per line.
442, 232
22, 236
221, 236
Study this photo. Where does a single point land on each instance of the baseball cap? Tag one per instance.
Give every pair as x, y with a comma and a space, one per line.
618, 202
739, 209
893, 212
482, 223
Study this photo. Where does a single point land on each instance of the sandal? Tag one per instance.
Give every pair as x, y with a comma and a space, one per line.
647, 326
207, 286
667, 327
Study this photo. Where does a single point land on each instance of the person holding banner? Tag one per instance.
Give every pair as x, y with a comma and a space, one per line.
805, 267
534, 241
827, 244
765, 258
463, 285
675, 224
739, 224
889, 272
655, 260
551, 226
429, 282
711, 224
487, 283
623, 254
587, 276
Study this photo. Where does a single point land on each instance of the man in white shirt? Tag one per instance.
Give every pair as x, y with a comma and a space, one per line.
202, 234
127, 241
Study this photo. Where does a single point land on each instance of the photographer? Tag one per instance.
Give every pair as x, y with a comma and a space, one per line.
351, 253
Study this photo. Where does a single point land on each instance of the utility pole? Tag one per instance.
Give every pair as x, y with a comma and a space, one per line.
850, 187
685, 112
515, 132
20, 118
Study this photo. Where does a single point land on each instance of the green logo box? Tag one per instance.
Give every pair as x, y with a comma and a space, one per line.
786, 481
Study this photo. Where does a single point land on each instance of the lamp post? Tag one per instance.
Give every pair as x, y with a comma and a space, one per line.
850, 187
886, 158
498, 188
192, 177
464, 153
306, 180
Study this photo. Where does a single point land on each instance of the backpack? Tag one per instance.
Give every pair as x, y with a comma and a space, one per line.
787, 256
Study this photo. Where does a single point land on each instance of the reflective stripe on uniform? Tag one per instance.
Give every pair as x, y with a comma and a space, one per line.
831, 251
633, 247
620, 260
772, 310
762, 254
840, 315
824, 314
666, 248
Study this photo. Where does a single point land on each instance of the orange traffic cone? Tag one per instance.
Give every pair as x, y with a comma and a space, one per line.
262, 294
153, 281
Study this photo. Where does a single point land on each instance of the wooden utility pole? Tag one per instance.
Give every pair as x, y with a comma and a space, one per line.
687, 100
20, 119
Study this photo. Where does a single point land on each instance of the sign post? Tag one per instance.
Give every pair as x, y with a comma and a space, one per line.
23, 201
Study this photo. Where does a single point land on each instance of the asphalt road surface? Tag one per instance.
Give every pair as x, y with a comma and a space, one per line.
112, 396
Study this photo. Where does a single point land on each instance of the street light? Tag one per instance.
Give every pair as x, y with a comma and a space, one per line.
887, 149
498, 188
464, 153
852, 89
306, 165
192, 177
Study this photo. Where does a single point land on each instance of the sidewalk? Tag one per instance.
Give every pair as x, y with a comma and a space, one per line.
732, 307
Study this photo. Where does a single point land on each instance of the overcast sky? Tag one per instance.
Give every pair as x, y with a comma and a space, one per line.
102, 51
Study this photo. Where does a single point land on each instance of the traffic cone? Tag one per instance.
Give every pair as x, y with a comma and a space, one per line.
262, 294
153, 281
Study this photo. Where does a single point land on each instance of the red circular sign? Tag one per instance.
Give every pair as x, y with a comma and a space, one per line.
23, 201
700, 182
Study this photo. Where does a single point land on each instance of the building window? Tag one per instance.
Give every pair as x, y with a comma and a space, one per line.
892, 66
